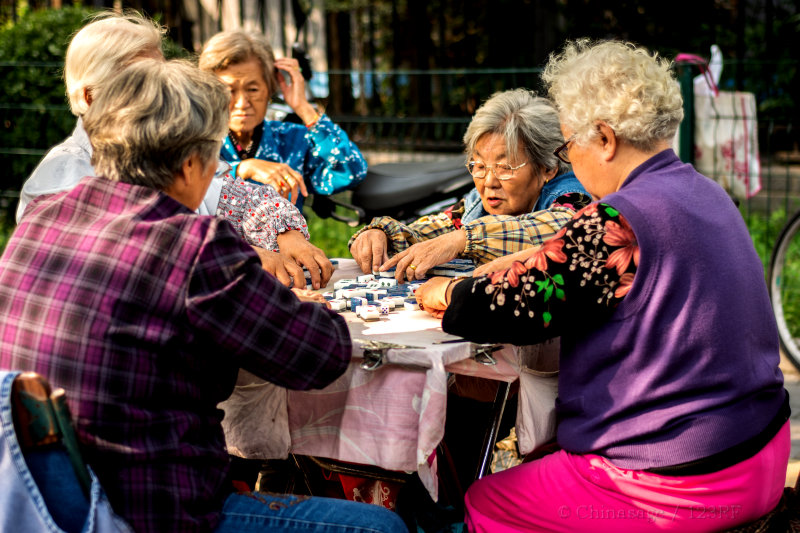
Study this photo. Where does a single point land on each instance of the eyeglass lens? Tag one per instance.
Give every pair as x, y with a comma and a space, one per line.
502, 171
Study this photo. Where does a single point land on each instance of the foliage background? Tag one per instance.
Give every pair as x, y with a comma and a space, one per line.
34, 112
34, 115
408, 74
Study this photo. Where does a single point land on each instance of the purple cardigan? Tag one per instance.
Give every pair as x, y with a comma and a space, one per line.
688, 365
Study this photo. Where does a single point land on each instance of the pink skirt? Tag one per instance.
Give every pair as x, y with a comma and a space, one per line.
567, 492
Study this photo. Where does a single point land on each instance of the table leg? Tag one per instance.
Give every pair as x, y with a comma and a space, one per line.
491, 432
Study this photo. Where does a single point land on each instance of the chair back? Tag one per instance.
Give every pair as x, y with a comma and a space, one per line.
44, 484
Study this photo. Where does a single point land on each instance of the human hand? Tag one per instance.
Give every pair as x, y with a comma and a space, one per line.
432, 295
415, 261
305, 295
286, 180
294, 246
286, 270
370, 250
294, 92
504, 262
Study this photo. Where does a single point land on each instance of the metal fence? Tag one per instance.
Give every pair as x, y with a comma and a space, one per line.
420, 115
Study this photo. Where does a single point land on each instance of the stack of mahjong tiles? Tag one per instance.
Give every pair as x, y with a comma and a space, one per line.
456, 268
371, 296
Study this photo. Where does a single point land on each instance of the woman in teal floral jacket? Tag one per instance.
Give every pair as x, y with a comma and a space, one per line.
295, 159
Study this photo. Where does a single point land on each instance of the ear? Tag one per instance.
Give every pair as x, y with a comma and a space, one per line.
184, 176
87, 95
183, 179
550, 174
181, 187
608, 140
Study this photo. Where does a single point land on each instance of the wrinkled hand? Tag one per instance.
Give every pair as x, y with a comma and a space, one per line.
504, 262
370, 250
295, 248
426, 255
432, 296
282, 268
287, 181
305, 295
294, 92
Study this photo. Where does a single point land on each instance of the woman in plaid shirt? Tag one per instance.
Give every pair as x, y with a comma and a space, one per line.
144, 311
523, 194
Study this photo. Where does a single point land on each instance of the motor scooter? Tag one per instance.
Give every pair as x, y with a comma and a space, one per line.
403, 191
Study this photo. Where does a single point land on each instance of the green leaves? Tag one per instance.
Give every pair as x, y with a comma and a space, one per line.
34, 112
550, 286
33, 108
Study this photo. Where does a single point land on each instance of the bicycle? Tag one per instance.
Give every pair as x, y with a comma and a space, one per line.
784, 287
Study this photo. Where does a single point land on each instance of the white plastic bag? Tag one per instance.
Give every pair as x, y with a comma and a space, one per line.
726, 133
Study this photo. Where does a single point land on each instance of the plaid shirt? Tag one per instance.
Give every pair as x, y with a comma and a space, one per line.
488, 237
144, 312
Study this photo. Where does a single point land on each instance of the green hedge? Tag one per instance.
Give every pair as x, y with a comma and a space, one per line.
33, 108
34, 113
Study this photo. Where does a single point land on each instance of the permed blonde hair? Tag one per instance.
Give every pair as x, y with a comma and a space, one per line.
619, 83
238, 46
152, 117
99, 49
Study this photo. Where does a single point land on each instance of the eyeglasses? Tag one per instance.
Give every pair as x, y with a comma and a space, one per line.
502, 171
561, 152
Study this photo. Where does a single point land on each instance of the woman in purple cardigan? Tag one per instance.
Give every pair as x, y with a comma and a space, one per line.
672, 412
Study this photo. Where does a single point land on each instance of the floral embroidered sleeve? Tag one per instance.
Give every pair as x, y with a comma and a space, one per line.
572, 280
258, 213
493, 236
402, 236
335, 163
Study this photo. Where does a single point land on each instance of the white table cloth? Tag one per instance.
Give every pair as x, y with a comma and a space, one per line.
392, 417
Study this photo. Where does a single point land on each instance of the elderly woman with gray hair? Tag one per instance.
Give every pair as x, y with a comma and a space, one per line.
144, 311
523, 194
260, 215
315, 156
671, 409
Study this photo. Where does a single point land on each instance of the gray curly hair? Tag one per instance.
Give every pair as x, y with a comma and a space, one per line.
619, 83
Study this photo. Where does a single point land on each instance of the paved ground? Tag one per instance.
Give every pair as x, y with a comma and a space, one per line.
792, 379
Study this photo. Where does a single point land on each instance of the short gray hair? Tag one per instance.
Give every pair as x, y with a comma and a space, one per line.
631, 89
520, 117
152, 117
238, 46
98, 50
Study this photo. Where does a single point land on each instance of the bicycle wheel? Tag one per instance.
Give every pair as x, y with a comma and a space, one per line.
784, 288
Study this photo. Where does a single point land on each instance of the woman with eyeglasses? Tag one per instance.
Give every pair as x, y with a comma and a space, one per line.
523, 194
671, 409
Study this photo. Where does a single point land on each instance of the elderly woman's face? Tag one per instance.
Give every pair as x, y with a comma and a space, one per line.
514, 196
249, 95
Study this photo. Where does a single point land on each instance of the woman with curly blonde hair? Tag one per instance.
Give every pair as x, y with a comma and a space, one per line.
672, 413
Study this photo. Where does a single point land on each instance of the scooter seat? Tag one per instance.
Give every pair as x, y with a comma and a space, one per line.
389, 185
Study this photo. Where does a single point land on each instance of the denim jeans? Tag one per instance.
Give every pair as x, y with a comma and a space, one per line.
276, 513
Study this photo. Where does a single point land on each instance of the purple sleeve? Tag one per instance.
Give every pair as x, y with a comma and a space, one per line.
259, 322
